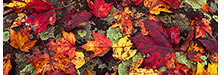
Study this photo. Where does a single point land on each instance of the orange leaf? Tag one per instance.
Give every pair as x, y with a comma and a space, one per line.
6, 65
65, 45
123, 20
161, 6
20, 19
194, 52
205, 8
101, 45
201, 27
21, 40
99, 8
88, 72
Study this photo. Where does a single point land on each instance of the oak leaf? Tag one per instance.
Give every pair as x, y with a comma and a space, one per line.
65, 45
6, 65
158, 45
123, 20
99, 8
43, 14
201, 26
20, 19
21, 40
122, 50
100, 45
73, 18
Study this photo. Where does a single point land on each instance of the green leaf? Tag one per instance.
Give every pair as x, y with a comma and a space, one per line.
215, 18
29, 69
195, 3
123, 68
114, 34
162, 69
5, 36
44, 35
184, 60
135, 58
82, 33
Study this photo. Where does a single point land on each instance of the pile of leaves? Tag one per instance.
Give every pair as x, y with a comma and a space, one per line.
142, 44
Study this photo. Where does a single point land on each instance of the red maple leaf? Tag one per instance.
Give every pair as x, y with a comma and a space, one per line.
100, 9
73, 18
157, 45
43, 14
173, 3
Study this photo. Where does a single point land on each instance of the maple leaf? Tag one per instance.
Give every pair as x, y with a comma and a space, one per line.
141, 71
43, 15
205, 8
6, 65
212, 47
20, 19
173, 3
73, 18
201, 27
194, 52
18, 5
211, 70
123, 20
99, 8
122, 50
65, 45
100, 45
157, 45
21, 40
161, 6
180, 69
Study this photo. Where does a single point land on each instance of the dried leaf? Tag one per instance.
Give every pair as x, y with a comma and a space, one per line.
21, 40
99, 8
6, 65
100, 45
122, 50
43, 15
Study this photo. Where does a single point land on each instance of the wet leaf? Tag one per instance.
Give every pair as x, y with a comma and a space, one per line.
6, 65
43, 14
73, 18
99, 8
100, 45
122, 50
21, 40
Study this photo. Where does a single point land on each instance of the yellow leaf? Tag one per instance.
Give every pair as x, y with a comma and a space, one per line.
20, 19
200, 69
160, 7
212, 69
122, 51
78, 60
16, 4
143, 71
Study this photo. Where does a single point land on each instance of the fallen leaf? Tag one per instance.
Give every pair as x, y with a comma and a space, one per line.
151, 3
173, 3
194, 52
131, 2
65, 45
156, 45
212, 69
114, 34
201, 26
205, 8
100, 45
21, 40
195, 3
43, 14
123, 20
73, 18
88, 72
99, 8
18, 5
20, 19
161, 6
180, 69
122, 50
212, 47
6, 65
